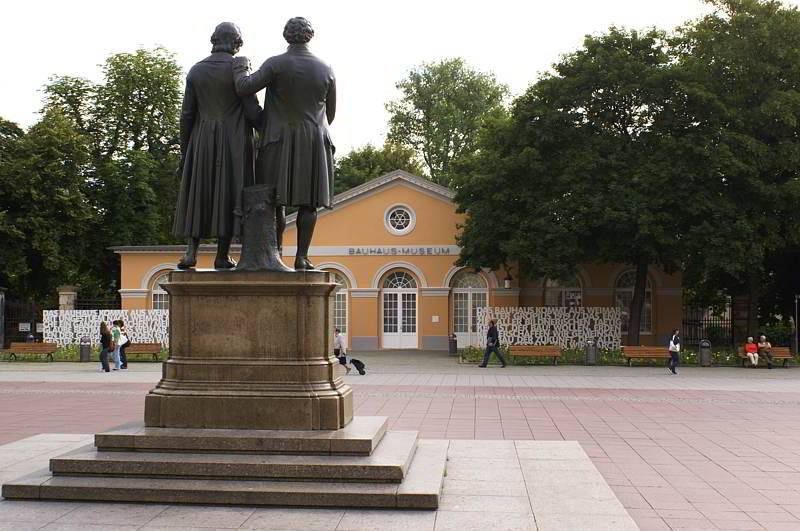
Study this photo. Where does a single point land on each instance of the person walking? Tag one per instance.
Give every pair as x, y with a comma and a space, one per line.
339, 350
492, 343
105, 345
765, 349
116, 334
124, 342
674, 352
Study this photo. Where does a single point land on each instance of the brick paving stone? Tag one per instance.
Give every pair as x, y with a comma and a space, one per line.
714, 447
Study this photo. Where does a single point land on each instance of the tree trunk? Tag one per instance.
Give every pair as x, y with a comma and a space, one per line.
753, 293
637, 304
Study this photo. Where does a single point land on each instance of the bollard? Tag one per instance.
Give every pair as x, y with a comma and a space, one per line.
704, 353
85, 349
590, 352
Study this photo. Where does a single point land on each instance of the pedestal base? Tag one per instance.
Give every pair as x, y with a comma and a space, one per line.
250, 350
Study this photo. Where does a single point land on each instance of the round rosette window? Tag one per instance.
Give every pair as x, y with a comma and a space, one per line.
399, 219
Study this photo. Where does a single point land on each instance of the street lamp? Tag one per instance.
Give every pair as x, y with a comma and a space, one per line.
796, 298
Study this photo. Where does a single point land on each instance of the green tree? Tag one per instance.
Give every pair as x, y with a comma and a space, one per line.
368, 162
600, 161
44, 210
131, 120
745, 56
441, 110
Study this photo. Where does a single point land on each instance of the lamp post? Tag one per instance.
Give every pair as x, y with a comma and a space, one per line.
796, 298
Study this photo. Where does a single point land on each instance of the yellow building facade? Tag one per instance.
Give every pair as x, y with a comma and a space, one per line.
391, 246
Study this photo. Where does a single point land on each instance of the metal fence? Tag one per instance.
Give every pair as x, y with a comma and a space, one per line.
706, 323
22, 319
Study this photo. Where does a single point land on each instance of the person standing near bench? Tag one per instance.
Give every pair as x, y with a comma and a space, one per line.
765, 349
674, 352
751, 351
123, 343
491, 345
105, 344
116, 334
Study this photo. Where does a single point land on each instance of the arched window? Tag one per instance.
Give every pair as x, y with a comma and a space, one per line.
399, 280
623, 295
340, 302
563, 293
469, 294
160, 297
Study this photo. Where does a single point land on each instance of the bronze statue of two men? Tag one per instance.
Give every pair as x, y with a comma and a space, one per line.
225, 164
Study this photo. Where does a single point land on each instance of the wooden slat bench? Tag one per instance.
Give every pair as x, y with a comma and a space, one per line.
144, 348
38, 349
778, 353
544, 351
645, 352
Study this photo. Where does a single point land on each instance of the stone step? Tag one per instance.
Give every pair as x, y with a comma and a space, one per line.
420, 489
388, 463
359, 437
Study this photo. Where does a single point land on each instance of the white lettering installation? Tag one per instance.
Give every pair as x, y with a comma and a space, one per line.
568, 327
66, 327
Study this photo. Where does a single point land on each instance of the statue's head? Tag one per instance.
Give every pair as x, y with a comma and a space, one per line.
298, 31
227, 38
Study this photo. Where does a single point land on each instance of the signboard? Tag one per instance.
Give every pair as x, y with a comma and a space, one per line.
24, 327
39, 328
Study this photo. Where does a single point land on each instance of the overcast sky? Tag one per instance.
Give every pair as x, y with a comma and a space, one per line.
370, 44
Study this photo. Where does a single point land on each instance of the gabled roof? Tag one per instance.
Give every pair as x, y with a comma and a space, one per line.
422, 183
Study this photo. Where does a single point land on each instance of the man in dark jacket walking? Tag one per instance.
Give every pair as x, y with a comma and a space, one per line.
295, 153
491, 345
217, 150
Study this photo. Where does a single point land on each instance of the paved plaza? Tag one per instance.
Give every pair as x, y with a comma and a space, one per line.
715, 448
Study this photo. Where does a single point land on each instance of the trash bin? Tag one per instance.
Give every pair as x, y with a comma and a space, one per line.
704, 353
452, 345
85, 349
590, 353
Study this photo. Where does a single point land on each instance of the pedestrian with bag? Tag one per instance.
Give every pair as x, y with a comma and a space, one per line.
674, 352
124, 342
105, 344
492, 342
340, 351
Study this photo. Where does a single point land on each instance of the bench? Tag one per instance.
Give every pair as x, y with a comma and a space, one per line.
144, 348
39, 349
778, 353
645, 352
544, 351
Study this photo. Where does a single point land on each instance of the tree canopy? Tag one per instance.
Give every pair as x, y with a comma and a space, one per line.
599, 162
368, 162
441, 110
98, 169
745, 57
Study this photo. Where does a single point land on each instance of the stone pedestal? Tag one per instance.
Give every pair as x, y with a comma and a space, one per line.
250, 350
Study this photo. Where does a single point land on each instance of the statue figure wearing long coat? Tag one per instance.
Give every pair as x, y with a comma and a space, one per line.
217, 150
295, 153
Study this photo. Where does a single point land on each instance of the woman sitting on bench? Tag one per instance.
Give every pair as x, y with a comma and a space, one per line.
751, 350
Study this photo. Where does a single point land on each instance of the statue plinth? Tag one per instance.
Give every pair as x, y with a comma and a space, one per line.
250, 350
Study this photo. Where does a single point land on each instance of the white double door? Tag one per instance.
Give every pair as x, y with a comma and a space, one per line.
468, 331
399, 318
